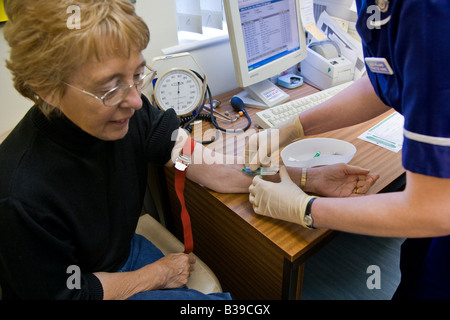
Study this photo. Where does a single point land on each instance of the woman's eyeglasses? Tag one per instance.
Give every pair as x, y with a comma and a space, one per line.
117, 94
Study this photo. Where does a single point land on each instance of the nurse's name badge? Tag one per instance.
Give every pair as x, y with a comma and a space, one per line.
379, 65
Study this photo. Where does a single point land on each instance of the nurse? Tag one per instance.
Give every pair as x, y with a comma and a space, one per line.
405, 40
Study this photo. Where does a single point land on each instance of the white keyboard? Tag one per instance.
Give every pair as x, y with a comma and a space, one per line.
271, 117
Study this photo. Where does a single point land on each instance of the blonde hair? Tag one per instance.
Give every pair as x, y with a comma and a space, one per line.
45, 51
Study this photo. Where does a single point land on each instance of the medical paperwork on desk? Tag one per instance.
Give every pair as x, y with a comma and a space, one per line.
388, 133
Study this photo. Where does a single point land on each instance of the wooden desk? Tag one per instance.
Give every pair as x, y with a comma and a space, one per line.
257, 257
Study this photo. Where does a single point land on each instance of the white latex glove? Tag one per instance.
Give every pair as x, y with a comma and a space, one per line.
283, 200
263, 144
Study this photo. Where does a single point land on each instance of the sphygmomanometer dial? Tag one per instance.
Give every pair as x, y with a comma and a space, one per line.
179, 89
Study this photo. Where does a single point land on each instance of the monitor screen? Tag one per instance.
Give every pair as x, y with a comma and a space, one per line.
270, 31
266, 38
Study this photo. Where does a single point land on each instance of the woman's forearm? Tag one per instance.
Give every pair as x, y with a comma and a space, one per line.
122, 285
222, 178
171, 271
422, 210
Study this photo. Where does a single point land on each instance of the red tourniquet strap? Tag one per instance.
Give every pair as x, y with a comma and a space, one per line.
179, 188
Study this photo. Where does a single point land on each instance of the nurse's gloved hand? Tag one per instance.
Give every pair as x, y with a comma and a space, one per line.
283, 200
263, 144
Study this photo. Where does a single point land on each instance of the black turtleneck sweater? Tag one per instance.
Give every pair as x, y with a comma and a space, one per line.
70, 199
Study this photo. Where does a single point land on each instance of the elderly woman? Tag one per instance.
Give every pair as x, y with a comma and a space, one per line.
73, 172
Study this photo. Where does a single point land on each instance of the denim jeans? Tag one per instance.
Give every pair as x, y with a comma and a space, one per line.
143, 252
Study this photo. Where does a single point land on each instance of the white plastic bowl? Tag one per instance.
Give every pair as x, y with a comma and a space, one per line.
314, 152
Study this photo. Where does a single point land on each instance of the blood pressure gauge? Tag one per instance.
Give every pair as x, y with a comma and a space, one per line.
179, 89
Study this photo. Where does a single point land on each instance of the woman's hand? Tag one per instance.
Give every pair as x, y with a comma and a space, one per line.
175, 269
339, 180
171, 271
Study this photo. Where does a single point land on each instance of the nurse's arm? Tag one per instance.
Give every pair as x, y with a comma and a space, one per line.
421, 210
355, 104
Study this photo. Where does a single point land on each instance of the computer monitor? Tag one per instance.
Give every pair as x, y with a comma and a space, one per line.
266, 38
